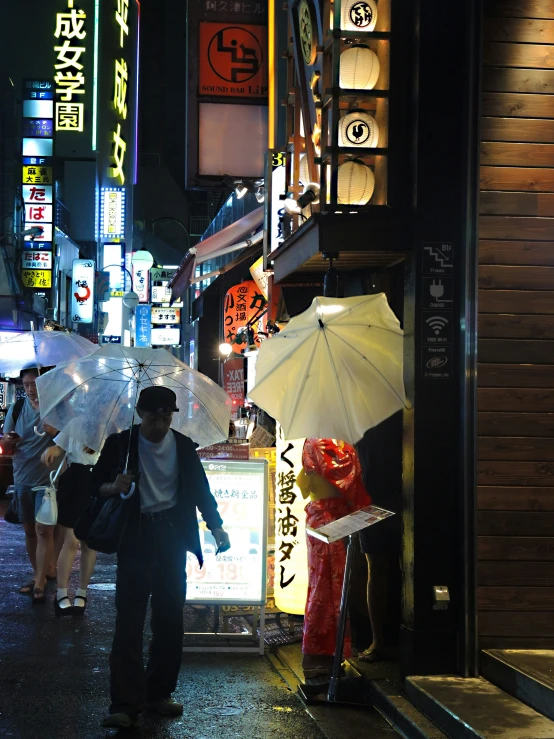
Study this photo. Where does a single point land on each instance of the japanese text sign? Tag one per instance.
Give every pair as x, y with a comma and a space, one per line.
82, 291
243, 303
38, 278
36, 259
233, 60
291, 554
166, 315
238, 575
70, 34
143, 325
233, 382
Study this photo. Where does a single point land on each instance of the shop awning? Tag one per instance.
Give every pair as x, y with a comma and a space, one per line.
229, 239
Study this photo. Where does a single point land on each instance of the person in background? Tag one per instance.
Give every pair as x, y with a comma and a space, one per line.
73, 496
29, 472
162, 526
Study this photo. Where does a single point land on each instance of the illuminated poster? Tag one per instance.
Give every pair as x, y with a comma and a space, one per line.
233, 383
291, 553
233, 60
40, 278
82, 297
36, 259
238, 575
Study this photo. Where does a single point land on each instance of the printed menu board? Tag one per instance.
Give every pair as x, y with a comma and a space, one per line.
238, 575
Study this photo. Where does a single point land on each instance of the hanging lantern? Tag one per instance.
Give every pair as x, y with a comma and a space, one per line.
304, 172
358, 15
356, 183
359, 68
358, 128
243, 303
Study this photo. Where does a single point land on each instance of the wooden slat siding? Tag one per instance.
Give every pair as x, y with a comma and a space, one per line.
499, 153
539, 574
516, 642
511, 129
531, 449
519, 9
514, 375
531, 400
495, 326
493, 203
495, 498
525, 474
533, 81
511, 277
516, 301
526, 253
517, 179
520, 351
539, 425
516, 227
516, 105
515, 523
516, 623
528, 56
515, 598
517, 549
519, 30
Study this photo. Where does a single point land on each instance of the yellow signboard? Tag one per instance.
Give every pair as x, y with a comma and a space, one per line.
34, 175
41, 278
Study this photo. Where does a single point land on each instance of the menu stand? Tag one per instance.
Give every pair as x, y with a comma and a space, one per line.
348, 526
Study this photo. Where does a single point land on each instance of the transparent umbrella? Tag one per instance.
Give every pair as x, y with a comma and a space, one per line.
335, 371
96, 396
41, 349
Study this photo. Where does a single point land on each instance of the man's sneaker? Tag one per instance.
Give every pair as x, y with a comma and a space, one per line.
121, 721
166, 707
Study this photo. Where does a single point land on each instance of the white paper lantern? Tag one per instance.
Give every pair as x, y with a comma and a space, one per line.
359, 68
358, 128
358, 15
356, 183
304, 172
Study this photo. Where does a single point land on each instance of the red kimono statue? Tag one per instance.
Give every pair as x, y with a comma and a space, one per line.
340, 491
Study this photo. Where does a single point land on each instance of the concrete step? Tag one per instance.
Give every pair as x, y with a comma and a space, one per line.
526, 674
473, 708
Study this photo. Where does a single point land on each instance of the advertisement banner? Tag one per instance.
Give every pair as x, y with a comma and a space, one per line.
143, 328
291, 553
233, 382
140, 282
40, 278
36, 259
233, 60
82, 293
166, 315
238, 575
166, 336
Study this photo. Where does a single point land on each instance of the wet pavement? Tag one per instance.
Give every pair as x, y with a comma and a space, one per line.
54, 675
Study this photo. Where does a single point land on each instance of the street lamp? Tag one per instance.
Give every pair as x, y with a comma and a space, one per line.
130, 299
142, 259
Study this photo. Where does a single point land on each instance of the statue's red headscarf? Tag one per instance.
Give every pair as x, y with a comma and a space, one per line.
338, 463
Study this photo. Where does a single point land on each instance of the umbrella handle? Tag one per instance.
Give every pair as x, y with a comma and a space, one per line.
129, 494
38, 433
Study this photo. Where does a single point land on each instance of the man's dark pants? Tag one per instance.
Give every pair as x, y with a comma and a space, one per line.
153, 561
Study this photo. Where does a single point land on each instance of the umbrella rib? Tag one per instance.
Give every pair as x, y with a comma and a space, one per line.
378, 371
338, 385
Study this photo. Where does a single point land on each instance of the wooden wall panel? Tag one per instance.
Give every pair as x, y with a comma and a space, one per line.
516, 227
517, 179
519, 30
516, 203
497, 498
504, 350
524, 474
499, 326
515, 424
533, 400
515, 375
528, 56
519, 9
527, 253
500, 79
514, 104
517, 154
517, 573
516, 301
504, 277
515, 523
525, 598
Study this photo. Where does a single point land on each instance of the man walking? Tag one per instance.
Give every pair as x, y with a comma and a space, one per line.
29, 472
162, 526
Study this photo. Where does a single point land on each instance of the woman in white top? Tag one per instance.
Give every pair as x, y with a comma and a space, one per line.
73, 497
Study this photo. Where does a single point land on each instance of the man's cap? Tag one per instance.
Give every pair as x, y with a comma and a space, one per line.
156, 399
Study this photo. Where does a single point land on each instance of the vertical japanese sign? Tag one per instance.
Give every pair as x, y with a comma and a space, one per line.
291, 554
82, 291
71, 84
120, 74
37, 173
143, 325
233, 383
238, 575
140, 283
243, 304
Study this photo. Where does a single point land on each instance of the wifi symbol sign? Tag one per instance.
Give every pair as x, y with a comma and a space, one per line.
437, 323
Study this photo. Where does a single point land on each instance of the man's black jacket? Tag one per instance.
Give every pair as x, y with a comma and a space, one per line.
193, 490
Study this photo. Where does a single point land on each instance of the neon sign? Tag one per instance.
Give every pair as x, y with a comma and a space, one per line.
121, 75
70, 80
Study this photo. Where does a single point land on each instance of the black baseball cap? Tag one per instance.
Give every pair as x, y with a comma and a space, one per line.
156, 399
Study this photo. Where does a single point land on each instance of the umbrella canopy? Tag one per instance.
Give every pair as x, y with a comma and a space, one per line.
42, 349
334, 371
96, 396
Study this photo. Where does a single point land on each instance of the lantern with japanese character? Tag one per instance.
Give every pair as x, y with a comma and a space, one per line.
243, 304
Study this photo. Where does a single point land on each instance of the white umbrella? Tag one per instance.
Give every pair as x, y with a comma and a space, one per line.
96, 396
334, 371
41, 349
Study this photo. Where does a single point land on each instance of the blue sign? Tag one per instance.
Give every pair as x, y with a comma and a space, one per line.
143, 325
38, 161
111, 339
38, 127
